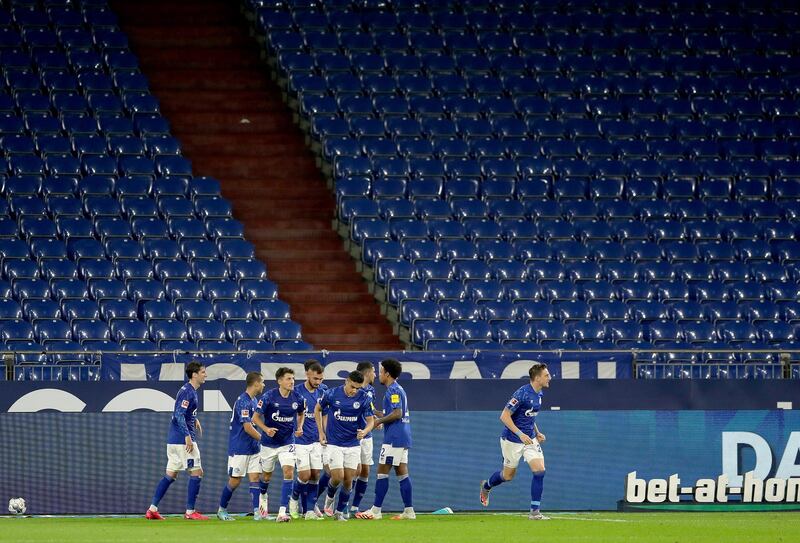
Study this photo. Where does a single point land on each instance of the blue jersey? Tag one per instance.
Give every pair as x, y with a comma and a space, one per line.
281, 413
239, 441
310, 432
346, 415
370, 390
398, 432
524, 405
183, 416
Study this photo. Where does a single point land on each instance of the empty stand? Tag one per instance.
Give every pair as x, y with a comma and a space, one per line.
233, 124
558, 174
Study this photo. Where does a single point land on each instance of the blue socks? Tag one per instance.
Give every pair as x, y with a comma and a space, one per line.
225, 499
360, 490
381, 488
537, 486
323, 481
310, 498
255, 494
194, 490
297, 489
286, 491
405, 489
263, 486
331, 490
495, 480
344, 497
161, 489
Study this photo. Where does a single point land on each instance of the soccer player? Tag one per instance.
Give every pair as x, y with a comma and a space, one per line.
283, 409
521, 438
183, 454
396, 422
243, 449
340, 415
308, 451
367, 369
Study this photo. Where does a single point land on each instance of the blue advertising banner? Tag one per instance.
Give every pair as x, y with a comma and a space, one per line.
416, 364
590, 458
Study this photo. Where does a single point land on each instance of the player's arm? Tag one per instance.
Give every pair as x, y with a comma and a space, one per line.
540, 437
368, 428
251, 431
396, 414
258, 420
198, 428
505, 418
179, 414
320, 424
301, 419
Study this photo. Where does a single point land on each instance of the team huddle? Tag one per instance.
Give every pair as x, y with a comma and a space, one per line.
320, 436
322, 439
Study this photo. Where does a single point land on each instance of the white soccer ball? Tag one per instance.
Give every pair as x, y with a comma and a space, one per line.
17, 506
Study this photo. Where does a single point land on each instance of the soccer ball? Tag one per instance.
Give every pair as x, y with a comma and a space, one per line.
17, 506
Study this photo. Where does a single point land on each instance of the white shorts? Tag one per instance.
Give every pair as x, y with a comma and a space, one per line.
393, 456
343, 457
268, 455
366, 452
308, 456
179, 460
241, 464
512, 452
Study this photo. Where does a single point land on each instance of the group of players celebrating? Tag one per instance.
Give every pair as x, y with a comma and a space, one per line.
320, 436
322, 439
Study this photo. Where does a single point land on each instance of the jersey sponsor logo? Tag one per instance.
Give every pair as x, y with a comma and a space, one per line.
338, 416
185, 404
395, 398
530, 412
278, 418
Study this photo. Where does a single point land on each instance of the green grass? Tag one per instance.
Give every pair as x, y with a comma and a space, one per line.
506, 528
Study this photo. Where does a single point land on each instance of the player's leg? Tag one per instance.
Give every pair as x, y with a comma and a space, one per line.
535, 460
336, 463
235, 465
300, 486
512, 452
286, 459
195, 469
381, 484
175, 463
318, 461
255, 489
267, 456
363, 474
401, 470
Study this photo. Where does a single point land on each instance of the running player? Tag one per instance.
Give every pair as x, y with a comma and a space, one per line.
521, 438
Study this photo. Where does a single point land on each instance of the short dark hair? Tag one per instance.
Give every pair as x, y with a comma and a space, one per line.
393, 367
310, 362
536, 369
252, 377
356, 376
316, 367
364, 366
193, 367
283, 371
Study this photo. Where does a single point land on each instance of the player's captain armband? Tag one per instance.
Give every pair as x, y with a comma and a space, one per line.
512, 402
185, 404
245, 413
395, 398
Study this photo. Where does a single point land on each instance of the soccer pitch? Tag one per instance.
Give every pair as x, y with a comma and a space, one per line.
563, 527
